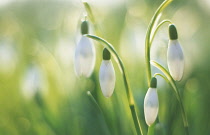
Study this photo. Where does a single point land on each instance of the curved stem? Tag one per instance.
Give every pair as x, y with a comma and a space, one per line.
121, 66
173, 85
161, 76
125, 78
148, 37
119, 62
156, 29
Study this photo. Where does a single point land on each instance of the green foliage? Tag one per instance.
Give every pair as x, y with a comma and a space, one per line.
44, 33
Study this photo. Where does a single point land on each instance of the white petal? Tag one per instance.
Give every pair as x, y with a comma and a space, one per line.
107, 78
151, 106
8, 57
32, 82
175, 58
84, 57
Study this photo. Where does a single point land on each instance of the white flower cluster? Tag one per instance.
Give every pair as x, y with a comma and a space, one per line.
175, 60
85, 61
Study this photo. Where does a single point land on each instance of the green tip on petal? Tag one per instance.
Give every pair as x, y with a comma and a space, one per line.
84, 27
153, 83
106, 54
173, 32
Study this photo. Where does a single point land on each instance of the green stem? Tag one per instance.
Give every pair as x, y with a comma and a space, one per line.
91, 16
136, 120
46, 115
157, 28
161, 76
125, 78
94, 101
148, 38
98, 107
151, 129
119, 62
89, 12
121, 66
173, 85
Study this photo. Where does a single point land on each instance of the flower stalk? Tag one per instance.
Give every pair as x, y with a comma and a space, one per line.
173, 85
150, 35
157, 28
111, 49
151, 32
148, 38
148, 41
91, 17
125, 78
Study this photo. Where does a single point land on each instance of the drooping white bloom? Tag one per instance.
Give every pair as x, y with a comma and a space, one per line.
8, 57
32, 82
84, 57
175, 60
151, 103
151, 106
175, 56
107, 78
84, 54
107, 75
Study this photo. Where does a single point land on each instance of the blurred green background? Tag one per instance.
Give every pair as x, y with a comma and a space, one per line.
41, 95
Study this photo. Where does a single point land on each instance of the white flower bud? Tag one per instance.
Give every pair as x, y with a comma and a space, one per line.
84, 57
151, 103
107, 78
175, 59
175, 55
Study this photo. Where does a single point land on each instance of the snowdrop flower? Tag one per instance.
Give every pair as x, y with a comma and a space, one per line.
175, 55
85, 54
107, 74
151, 104
32, 82
8, 57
